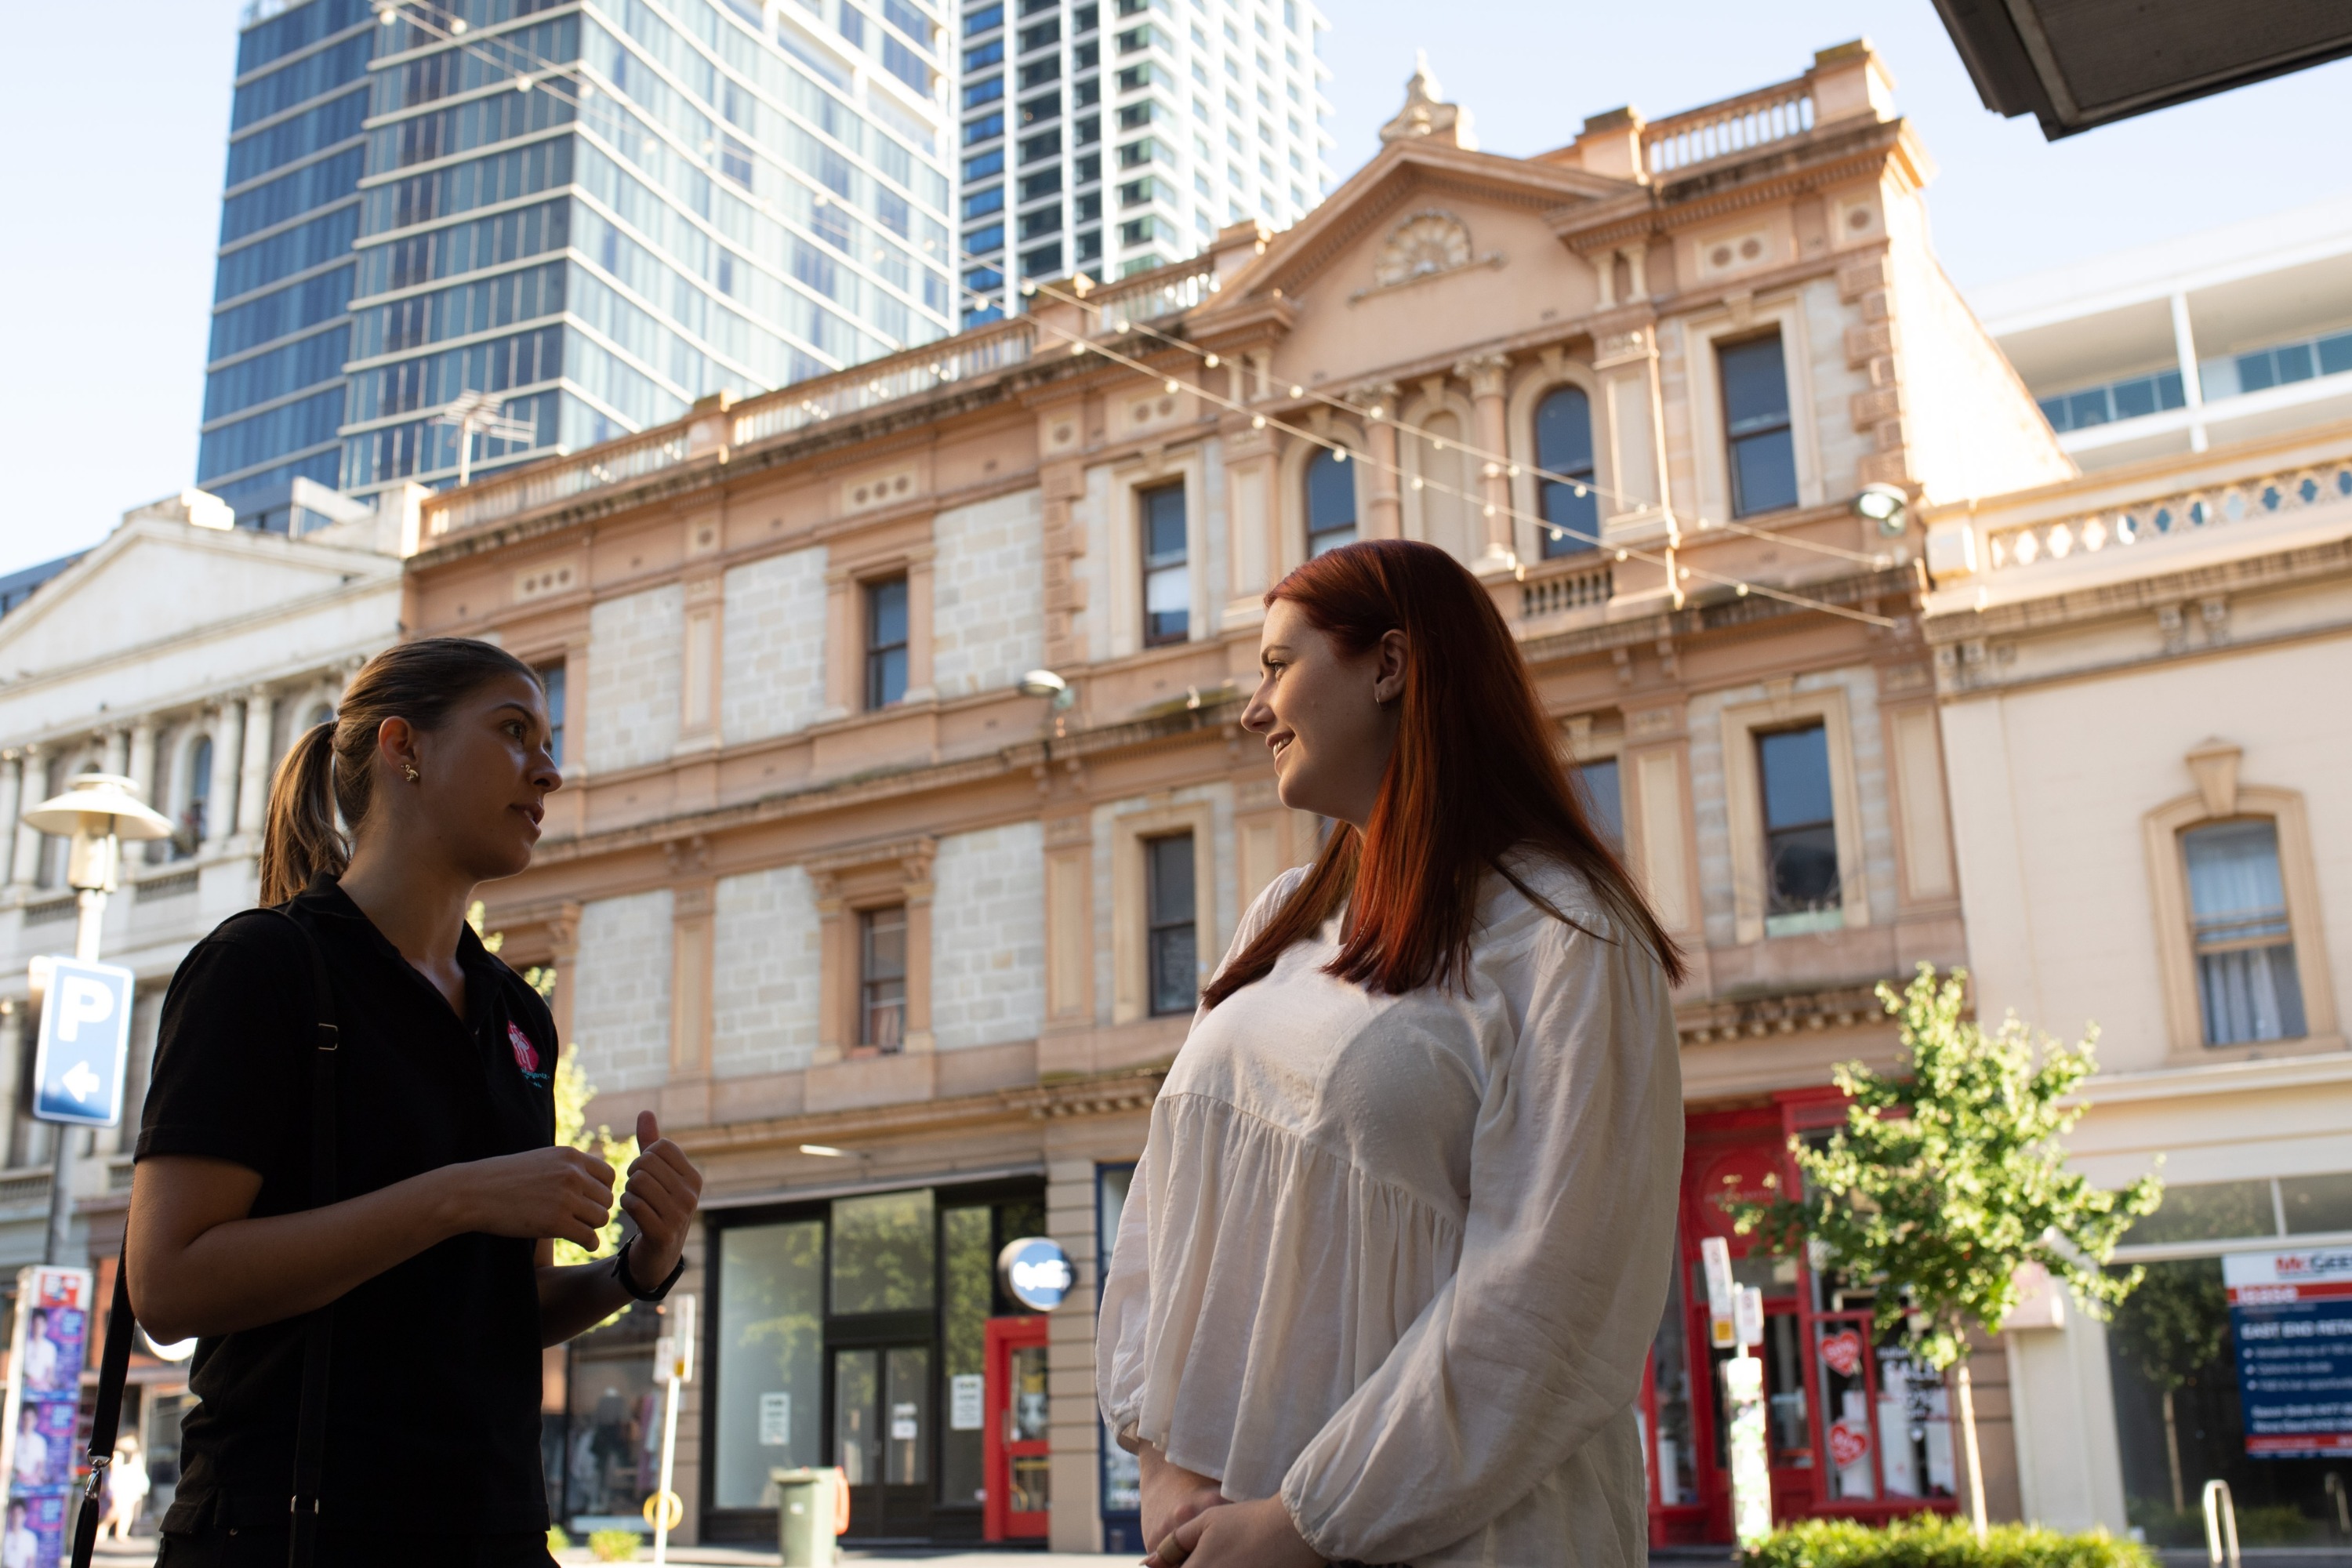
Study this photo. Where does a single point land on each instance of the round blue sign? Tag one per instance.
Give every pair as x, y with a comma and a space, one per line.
1035, 1272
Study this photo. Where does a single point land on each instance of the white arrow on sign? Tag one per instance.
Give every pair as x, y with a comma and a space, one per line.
80, 1082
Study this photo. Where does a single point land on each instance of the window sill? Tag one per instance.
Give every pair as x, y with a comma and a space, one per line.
1809, 923
2256, 1051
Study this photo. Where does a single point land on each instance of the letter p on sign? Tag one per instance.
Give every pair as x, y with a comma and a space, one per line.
84, 1034
83, 999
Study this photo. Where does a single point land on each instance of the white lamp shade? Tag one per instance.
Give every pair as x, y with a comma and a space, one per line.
111, 798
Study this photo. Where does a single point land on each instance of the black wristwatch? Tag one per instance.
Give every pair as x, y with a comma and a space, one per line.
621, 1272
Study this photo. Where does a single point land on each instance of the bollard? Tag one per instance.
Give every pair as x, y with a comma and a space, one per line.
2220, 1524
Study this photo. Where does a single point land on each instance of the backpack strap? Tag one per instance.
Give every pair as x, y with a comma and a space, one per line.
317, 1328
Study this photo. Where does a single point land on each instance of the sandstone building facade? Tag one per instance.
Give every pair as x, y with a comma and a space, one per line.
900, 952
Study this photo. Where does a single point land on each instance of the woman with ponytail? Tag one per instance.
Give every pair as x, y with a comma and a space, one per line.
1401, 1231
429, 1275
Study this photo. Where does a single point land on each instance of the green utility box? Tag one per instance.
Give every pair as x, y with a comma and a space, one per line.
810, 1509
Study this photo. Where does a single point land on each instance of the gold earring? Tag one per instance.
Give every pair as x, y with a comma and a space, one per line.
410, 769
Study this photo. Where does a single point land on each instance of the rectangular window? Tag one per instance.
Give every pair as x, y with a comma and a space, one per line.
981, 241
853, 27
983, 19
1036, 187
884, 1253
550, 680
989, 163
886, 642
1801, 889
981, 92
1167, 578
2246, 981
770, 1386
882, 978
1763, 450
1604, 806
986, 127
1171, 942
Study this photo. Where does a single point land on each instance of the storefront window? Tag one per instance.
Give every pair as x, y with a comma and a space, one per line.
771, 1351
613, 1452
882, 1253
1671, 1451
967, 1274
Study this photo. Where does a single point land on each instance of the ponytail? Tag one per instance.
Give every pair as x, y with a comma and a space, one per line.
300, 839
332, 767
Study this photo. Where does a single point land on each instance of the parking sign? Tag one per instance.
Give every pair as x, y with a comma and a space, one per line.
85, 1035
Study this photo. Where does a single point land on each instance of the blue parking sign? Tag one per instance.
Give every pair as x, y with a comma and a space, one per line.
85, 1035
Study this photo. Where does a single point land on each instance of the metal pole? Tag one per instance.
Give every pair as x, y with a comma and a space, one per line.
91, 920
669, 1455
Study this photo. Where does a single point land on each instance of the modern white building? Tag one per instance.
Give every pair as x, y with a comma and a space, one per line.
2235, 332
1111, 136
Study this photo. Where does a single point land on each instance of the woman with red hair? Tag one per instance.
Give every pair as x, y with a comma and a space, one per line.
1401, 1231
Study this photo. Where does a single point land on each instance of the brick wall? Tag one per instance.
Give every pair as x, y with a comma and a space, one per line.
988, 936
774, 654
620, 1001
988, 623
633, 646
764, 977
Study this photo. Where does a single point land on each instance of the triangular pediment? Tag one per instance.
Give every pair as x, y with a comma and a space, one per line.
156, 582
1428, 248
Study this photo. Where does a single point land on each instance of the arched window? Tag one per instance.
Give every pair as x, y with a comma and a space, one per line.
200, 789
1331, 503
1564, 448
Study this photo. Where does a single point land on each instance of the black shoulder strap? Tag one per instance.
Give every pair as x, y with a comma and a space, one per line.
318, 1328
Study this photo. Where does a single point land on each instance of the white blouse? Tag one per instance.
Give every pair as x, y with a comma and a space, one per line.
1399, 1259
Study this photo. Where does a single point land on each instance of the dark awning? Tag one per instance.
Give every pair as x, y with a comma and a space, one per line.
2074, 64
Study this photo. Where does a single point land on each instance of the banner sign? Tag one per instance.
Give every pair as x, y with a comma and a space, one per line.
46, 1350
2291, 1319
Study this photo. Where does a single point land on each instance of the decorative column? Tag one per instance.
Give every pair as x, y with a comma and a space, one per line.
1485, 374
220, 806
13, 1151
141, 769
845, 665
118, 751
1384, 513
33, 772
921, 569
253, 782
12, 801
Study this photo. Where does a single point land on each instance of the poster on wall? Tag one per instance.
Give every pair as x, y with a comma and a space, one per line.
2291, 1319
48, 1347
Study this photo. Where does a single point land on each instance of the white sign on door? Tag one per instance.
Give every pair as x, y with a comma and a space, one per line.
775, 1420
903, 1426
966, 1395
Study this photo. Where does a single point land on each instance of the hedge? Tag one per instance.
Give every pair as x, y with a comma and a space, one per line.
1939, 1540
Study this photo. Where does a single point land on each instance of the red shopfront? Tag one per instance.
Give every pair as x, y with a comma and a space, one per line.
1854, 1428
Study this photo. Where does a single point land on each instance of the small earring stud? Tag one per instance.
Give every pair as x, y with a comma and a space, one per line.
410, 769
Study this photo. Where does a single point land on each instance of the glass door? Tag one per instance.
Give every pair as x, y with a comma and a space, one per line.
881, 1437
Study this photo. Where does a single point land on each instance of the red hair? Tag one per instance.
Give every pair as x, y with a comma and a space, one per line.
1475, 774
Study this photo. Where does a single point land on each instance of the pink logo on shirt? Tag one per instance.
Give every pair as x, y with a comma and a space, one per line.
526, 1054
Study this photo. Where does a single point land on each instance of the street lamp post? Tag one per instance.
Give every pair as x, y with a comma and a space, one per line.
96, 813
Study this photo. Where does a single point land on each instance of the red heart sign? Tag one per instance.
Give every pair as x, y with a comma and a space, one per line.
1841, 1352
1849, 1444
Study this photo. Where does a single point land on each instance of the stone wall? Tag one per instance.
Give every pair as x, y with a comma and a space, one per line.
764, 973
620, 997
635, 645
772, 652
988, 620
988, 936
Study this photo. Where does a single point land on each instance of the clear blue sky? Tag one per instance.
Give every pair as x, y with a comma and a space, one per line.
116, 118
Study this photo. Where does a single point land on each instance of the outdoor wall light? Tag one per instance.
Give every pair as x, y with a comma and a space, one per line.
1046, 683
1885, 505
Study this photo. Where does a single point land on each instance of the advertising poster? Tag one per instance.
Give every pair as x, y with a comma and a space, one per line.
2291, 1317
48, 1347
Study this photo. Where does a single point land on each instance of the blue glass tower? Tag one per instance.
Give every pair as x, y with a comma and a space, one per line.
289, 211
595, 212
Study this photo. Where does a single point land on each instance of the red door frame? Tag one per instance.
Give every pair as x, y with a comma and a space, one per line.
998, 1449
1797, 1491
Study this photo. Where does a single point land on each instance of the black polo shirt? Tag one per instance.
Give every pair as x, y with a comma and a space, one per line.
434, 1410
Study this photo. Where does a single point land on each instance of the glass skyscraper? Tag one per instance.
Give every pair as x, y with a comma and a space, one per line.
596, 212
1112, 136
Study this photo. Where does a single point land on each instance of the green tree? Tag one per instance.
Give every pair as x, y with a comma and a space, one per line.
2173, 1327
1949, 1176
